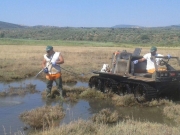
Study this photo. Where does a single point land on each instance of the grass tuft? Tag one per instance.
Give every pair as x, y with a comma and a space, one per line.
160, 102
126, 100
43, 117
92, 93
172, 112
105, 116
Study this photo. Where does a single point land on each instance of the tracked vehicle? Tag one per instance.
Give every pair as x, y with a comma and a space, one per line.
125, 77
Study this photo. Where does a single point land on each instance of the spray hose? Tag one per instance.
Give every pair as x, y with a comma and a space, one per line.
73, 73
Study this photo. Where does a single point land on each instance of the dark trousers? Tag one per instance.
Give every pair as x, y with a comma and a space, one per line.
58, 82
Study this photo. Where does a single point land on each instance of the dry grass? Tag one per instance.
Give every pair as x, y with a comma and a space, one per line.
126, 100
92, 93
73, 94
128, 127
159, 102
106, 116
43, 117
18, 62
172, 112
129, 100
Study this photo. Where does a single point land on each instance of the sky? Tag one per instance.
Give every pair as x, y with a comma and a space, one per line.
91, 13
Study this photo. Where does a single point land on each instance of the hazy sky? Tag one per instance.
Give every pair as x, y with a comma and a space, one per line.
91, 13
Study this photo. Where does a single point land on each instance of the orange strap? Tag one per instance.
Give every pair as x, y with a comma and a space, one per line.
53, 76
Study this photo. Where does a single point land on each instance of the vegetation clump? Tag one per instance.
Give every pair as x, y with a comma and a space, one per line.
72, 93
92, 93
159, 102
128, 127
106, 116
12, 91
126, 100
172, 112
43, 117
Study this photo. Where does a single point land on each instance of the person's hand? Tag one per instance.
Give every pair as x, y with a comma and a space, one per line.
45, 70
53, 63
169, 56
135, 61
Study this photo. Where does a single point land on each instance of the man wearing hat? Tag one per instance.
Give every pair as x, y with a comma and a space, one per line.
150, 62
51, 64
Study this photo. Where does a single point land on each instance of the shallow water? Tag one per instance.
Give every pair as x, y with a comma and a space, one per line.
12, 107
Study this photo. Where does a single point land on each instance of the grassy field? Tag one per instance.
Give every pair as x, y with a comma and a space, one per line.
24, 61
14, 41
10, 41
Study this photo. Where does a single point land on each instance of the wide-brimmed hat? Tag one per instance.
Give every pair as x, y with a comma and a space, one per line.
153, 49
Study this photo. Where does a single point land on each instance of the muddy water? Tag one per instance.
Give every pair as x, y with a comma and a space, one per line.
11, 107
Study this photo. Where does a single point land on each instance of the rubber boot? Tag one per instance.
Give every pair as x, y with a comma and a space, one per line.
60, 87
49, 87
61, 92
48, 95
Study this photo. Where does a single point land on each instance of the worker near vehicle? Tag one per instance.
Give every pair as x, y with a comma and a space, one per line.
150, 67
51, 64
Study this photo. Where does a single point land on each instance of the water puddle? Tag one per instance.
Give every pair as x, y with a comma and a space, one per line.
12, 106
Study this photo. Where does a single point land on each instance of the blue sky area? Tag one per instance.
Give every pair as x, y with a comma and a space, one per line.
91, 13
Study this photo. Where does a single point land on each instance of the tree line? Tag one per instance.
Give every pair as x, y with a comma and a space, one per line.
165, 36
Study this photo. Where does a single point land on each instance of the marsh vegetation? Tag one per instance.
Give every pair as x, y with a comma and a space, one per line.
22, 61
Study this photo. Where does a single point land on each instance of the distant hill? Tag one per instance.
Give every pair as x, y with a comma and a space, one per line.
5, 25
126, 26
175, 26
136, 26
128, 34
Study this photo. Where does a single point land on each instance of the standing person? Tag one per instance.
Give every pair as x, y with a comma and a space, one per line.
150, 62
51, 64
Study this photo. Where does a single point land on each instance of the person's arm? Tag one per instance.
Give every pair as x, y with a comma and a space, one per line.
44, 63
61, 60
141, 60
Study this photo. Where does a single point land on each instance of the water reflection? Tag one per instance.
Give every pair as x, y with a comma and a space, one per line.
96, 105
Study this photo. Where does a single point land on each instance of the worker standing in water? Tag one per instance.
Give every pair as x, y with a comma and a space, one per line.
51, 64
